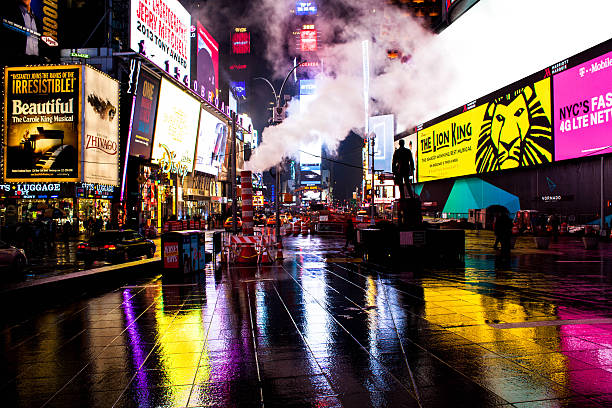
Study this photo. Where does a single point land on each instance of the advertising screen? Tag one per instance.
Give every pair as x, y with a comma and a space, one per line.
212, 138
307, 86
143, 120
310, 175
206, 75
512, 130
308, 40
160, 30
42, 127
176, 129
30, 34
101, 128
583, 109
239, 88
383, 129
241, 42
305, 8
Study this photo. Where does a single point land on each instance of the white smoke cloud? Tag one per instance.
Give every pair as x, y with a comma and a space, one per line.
493, 44
339, 106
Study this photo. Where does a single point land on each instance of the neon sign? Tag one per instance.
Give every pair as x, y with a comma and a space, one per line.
169, 164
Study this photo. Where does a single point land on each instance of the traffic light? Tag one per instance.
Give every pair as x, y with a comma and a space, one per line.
279, 113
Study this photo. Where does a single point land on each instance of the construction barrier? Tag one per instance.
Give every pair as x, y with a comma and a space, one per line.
254, 249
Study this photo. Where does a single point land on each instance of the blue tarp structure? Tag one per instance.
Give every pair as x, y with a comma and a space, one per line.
607, 219
472, 193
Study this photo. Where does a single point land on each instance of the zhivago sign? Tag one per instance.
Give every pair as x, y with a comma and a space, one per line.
511, 130
42, 123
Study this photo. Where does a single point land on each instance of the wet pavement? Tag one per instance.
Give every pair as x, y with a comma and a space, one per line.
325, 330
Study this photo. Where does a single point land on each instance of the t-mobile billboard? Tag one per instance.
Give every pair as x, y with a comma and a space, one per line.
583, 109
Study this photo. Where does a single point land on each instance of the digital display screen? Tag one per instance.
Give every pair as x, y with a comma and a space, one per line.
305, 8
511, 130
160, 30
206, 75
176, 129
145, 107
307, 86
383, 128
241, 43
583, 109
212, 138
240, 88
308, 40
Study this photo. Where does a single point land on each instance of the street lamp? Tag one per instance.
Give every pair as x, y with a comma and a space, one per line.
277, 108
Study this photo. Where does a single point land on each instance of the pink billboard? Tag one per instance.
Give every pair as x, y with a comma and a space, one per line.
583, 109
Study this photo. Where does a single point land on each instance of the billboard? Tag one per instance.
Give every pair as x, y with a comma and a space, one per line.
205, 67
176, 129
212, 138
308, 39
160, 30
145, 106
30, 29
510, 130
583, 108
239, 88
305, 8
308, 86
310, 175
101, 128
383, 127
241, 41
42, 126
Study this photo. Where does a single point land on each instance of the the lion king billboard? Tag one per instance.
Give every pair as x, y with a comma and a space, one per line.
509, 129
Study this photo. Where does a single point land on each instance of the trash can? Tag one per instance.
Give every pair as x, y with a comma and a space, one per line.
184, 251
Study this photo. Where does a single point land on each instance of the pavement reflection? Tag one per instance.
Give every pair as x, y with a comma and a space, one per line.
310, 332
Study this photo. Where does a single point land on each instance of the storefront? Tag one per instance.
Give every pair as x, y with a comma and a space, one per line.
31, 202
94, 203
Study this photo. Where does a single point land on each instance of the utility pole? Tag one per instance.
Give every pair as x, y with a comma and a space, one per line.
233, 176
372, 203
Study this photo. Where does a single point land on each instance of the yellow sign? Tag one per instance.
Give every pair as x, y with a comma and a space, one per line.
512, 130
258, 201
448, 149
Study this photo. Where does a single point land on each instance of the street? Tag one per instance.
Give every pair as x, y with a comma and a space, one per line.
324, 329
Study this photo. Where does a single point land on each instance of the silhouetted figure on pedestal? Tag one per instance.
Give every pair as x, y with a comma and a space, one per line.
403, 167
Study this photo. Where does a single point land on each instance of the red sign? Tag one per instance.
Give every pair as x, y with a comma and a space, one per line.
308, 40
241, 43
171, 255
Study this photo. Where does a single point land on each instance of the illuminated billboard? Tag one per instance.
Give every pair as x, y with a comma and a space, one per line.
307, 86
583, 109
511, 130
145, 106
160, 30
239, 88
310, 175
205, 68
305, 8
42, 127
212, 138
101, 128
176, 129
383, 127
308, 39
241, 41
30, 29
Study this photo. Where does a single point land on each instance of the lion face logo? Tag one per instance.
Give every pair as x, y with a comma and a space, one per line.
514, 133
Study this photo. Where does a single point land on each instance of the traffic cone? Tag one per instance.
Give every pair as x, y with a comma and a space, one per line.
264, 258
279, 251
248, 255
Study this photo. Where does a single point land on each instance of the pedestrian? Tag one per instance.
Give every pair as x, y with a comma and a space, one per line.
497, 233
350, 232
553, 220
503, 230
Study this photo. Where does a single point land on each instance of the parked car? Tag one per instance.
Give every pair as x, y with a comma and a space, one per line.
229, 223
12, 258
115, 246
